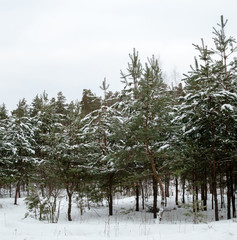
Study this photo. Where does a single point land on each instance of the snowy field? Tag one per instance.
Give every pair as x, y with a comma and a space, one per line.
125, 224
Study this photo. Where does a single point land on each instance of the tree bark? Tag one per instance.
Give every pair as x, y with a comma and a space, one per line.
197, 204
157, 177
222, 191
10, 190
69, 193
232, 192
110, 196
137, 197
143, 197
228, 191
183, 197
17, 191
155, 191
176, 191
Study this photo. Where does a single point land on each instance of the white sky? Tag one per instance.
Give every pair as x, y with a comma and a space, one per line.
70, 45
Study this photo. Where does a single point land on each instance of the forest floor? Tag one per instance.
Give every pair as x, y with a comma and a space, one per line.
124, 224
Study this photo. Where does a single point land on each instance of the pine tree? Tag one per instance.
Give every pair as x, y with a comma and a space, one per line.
21, 145
208, 108
99, 130
146, 115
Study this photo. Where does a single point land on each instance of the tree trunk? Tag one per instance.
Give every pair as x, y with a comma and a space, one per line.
232, 192
10, 190
17, 191
155, 191
69, 210
158, 180
215, 194
183, 197
205, 191
222, 191
176, 191
137, 197
197, 204
143, 198
167, 185
110, 196
228, 191
204, 195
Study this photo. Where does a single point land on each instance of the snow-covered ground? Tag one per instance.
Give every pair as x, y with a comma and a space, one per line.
125, 224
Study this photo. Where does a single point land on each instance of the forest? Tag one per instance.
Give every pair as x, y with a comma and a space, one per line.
138, 140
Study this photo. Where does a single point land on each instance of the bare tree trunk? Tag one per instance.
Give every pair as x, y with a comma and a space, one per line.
232, 192
69, 210
167, 183
110, 196
183, 197
197, 204
158, 180
176, 191
228, 191
204, 195
205, 191
143, 197
215, 193
17, 191
221, 191
137, 197
155, 192
10, 190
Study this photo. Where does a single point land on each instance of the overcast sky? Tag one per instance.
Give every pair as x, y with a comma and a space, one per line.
71, 45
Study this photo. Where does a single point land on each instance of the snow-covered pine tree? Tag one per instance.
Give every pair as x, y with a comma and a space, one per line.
4, 164
20, 137
146, 115
101, 143
208, 109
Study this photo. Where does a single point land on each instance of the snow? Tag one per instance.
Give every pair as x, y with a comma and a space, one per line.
95, 224
227, 106
163, 147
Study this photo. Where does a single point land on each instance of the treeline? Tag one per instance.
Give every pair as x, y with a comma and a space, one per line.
148, 133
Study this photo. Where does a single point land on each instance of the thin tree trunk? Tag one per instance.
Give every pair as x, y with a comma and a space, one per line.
17, 190
176, 191
158, 180
205, 191
228, 191
137, 197
202, 193
10, 190
197, 204
143, 197
155, 191
215, 195
110, 196
232, 192
183, 197
221, 191
27, 187
167, 183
